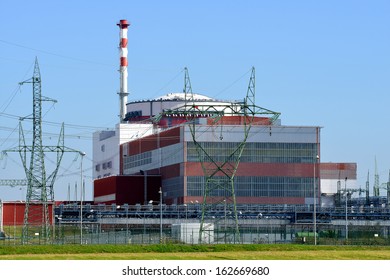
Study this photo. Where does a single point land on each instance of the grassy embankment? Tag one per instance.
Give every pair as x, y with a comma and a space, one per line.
194, 252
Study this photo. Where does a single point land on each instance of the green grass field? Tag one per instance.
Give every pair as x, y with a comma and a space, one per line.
193, 252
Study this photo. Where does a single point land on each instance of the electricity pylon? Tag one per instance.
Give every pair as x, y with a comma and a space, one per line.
219, 169
368, 189
376, 181
40, 187
13, 182
220, 191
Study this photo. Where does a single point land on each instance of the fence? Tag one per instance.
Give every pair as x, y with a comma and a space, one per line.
94, 233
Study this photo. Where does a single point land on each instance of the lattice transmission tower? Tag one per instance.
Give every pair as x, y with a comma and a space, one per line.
376, 181
219, 167
40, 185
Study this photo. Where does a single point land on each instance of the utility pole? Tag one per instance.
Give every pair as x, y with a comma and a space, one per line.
315, 196
82, 154
346, 210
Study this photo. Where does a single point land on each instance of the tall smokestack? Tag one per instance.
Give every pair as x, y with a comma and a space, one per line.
123, 93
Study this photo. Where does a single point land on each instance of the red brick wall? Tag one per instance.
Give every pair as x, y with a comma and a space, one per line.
153, 142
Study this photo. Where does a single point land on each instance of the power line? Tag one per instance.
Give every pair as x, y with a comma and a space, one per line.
232, 84
55, 54
16, 90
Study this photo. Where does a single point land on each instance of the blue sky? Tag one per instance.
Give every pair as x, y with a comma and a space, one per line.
319, 63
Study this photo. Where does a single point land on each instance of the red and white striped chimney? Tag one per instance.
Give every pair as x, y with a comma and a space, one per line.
123, 93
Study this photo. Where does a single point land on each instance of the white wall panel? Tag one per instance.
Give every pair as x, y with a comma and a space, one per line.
277, 134
172, 154
329, 186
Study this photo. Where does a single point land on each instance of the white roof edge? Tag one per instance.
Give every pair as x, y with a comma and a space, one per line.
181, 96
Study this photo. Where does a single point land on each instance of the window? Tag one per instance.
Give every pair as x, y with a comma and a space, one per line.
254, 152
137, 160
253, 186
97, 167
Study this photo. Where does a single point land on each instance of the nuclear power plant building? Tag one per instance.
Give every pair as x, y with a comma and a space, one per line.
278, 165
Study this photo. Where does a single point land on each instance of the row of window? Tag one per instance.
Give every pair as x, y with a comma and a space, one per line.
104, 175
137, 160
252, 186
253, 152
173, 187
104, 166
